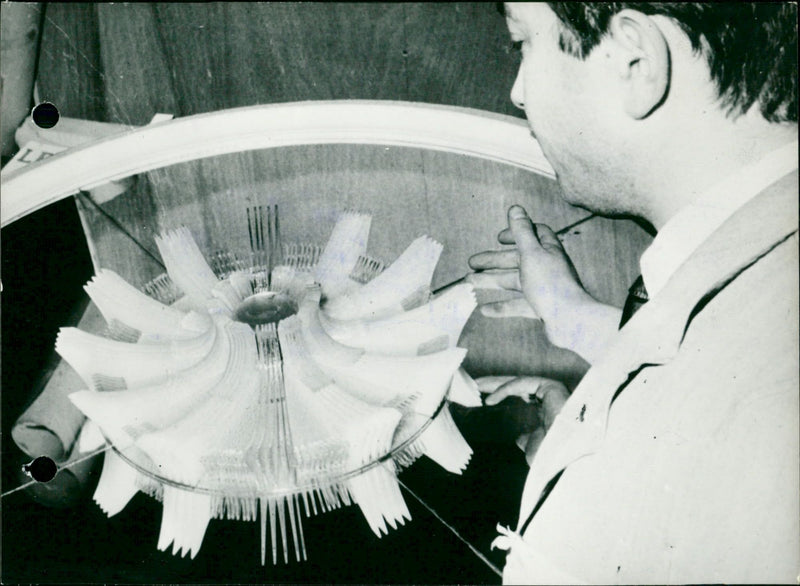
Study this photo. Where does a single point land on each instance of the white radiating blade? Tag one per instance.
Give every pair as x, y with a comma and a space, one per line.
346, 244
134, 364
121, 303
291, 281
184, 521
387, 381
189, 271
317, 447
124, 415
117, 484
464, 390
90, 437
378, 495
217, 425
329, 415
325, 420
397, 381
428, 328
404, 285
243, 282
376, 490
320, 343
227, 296
442, 442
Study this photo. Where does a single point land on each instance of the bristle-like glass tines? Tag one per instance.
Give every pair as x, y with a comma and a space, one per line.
426, 329
346, 245
366, 269
117, 485
121, 303
442, 442
136, 364
276, 510
301, 256
263, 228
186, 265
163, 289
225, 263
272, 447
184, 520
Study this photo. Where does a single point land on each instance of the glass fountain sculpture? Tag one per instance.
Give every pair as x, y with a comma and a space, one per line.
272, 385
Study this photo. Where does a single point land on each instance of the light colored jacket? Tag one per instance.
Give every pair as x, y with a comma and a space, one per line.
693, 475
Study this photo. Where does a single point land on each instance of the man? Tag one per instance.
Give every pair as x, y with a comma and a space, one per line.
676, 458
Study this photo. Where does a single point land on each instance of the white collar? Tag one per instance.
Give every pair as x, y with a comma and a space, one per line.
687, 229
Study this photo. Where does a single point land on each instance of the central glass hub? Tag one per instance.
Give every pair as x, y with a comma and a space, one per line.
265, 308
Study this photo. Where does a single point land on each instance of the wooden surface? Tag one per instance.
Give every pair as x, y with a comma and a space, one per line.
125, 62
460, 201
69, 71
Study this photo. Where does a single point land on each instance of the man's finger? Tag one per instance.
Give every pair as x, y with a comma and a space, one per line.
524, 387
506, 237
543, 232
494, 259
507, 279
488, 384
518, 307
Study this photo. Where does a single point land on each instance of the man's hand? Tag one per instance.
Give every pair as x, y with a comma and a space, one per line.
551, 395
540, 269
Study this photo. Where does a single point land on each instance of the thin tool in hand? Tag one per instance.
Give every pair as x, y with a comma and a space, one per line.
559, 232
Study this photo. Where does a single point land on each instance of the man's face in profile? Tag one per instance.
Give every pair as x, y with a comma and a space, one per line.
572, 109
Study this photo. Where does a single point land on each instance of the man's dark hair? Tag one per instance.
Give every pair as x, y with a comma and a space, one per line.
751, 48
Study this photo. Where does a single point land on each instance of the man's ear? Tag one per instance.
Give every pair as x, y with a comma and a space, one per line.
643, 59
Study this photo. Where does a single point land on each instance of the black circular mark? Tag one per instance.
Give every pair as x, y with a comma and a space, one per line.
45, 115
42, 469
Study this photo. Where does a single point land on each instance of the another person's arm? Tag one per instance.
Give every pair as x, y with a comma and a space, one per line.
550, 395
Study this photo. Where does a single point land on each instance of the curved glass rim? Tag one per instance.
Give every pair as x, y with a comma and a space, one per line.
300, 488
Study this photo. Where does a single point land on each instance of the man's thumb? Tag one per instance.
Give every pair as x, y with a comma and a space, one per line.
522, 229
